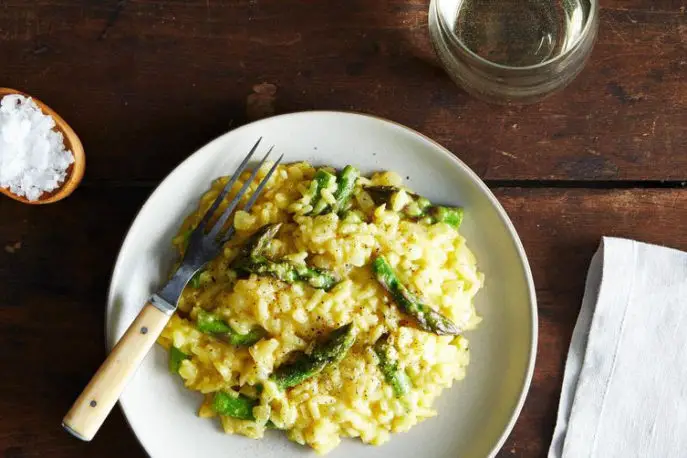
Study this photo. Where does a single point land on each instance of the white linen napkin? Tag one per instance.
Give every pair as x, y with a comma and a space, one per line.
625, 383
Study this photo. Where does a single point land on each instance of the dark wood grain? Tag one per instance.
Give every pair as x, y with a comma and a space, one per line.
54, 287
55, 263
561, 230
147, 82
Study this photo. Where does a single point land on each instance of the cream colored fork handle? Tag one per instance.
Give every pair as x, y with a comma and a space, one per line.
96, 401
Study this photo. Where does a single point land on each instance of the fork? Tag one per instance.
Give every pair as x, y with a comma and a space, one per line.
96, 401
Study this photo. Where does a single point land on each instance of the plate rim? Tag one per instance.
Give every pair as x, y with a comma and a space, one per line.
502, 214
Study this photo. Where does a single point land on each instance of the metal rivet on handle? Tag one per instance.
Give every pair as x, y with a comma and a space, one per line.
144, 330
93, 404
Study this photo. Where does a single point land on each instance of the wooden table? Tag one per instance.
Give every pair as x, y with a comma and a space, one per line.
146, 82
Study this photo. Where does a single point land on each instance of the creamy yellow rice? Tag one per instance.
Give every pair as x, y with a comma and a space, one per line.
352, 398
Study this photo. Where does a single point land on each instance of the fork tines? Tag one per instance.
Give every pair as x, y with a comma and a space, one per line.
221, 221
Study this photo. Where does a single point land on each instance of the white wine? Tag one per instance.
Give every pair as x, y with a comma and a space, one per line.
513, 51
516, 33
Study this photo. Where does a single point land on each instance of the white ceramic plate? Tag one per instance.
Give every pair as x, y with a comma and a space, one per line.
475, 416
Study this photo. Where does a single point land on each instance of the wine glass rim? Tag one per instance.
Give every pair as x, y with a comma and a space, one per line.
589, 23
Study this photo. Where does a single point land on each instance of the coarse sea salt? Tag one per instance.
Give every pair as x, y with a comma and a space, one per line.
33, 158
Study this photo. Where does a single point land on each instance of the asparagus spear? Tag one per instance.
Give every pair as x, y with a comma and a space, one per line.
452, 216
257, 243
297, 371
394, 376
322, 180
252, 260
326, 353
209, 323
246, 340
237, 406
176, 356
427, 318
418, 207
288, 272
345, 186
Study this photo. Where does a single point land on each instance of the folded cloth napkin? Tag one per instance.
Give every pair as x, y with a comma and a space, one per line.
625, 384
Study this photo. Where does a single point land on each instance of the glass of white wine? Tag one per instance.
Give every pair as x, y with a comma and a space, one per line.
513, 51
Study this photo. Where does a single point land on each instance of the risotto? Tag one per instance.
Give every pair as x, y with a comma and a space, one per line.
336, 310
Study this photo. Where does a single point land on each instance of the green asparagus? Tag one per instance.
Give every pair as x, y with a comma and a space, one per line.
301, 368
330, 351
257, 243
427, 318
452, 216
209, 323
176, 356
345, 185
236, 405
393, 374
251, 259
419, 208
314, 189
289, 272
247, 339
383, 194
322, 180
